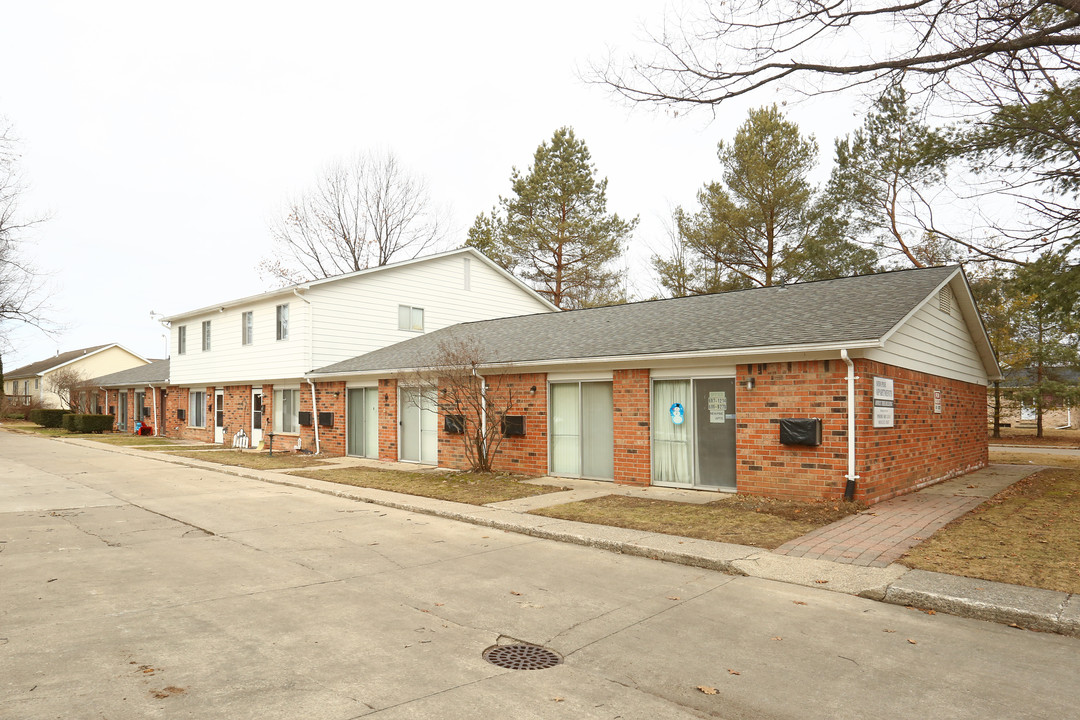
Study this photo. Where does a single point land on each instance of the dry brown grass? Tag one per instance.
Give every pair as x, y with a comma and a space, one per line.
1050, 438
740, 519
471, 488
1028, 534
1019, 457
253, 460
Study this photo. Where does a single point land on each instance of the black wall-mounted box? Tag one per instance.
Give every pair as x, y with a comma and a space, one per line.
304, 418
513, 425
800, 431
326, 419
454, 424
181, 413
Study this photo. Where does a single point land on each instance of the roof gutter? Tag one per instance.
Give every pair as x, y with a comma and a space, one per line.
610, 359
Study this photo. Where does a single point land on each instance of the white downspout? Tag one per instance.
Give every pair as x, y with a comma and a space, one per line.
849, 488
483, 413
311, 360
315, 414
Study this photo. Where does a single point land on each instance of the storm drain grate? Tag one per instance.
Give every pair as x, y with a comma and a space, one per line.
522, 656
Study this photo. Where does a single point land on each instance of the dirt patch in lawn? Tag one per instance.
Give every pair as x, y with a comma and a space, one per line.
1028, 534
1050, 438
463, 487
253, 460
741, 519
1019, 457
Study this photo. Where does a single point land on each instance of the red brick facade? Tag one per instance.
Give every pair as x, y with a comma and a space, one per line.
923, 447
630, 396
388, 420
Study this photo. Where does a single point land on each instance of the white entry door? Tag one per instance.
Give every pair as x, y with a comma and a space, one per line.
256, 417
219, 415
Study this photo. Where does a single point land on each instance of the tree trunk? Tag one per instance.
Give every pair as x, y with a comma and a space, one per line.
997, 409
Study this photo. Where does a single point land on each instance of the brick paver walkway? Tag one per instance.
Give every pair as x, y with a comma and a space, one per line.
880, 535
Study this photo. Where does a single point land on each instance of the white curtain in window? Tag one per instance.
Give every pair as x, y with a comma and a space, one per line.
565, 429
671, 441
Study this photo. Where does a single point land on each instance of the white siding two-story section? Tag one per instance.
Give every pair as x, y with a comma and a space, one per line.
338, 318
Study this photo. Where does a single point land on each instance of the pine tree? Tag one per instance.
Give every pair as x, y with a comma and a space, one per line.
555, 231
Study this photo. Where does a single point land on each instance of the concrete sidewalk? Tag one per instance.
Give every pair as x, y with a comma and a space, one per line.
1024, 607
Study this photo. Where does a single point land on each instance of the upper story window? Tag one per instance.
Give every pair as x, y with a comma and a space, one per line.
206, 336
181, 340
247, 328
410, 318
283, 322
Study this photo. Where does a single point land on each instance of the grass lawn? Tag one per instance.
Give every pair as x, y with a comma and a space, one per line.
47, 432
1026, 436
471, 488
136, 440
250, 459
740, 519
1019, 457
1028, 534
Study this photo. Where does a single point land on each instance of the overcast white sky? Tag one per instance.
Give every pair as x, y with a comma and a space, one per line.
162, 139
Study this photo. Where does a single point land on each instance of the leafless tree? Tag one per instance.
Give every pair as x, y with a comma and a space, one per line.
362, 213
475, 403
22, 298
72, 387
1006, 69
736, 47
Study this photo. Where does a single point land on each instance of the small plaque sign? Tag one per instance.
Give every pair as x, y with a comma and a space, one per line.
937, 402
717, 407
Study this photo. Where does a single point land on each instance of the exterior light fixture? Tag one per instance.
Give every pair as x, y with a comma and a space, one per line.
749, 383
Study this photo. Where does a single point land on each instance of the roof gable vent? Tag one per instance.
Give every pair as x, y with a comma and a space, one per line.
945, 300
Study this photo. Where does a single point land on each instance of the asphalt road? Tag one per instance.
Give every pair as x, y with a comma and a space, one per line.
131, 588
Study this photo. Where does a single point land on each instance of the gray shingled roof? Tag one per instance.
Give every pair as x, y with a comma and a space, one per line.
36, 368
156, 372
845, 310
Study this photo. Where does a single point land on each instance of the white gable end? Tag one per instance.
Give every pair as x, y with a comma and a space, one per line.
936, 340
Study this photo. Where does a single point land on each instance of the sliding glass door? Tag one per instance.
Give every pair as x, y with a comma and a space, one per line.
362, 434
582, 430
419, 426
693, 429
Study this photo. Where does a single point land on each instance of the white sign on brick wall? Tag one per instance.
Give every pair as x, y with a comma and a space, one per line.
884, 402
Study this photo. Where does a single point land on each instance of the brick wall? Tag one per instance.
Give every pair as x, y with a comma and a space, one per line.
924, 447
177, 399
921, 449
388, 420
330, 397
526, 454
630, 394
800, 389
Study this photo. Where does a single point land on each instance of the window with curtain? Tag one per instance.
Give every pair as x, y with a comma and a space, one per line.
671, 452
286, 411
197, 408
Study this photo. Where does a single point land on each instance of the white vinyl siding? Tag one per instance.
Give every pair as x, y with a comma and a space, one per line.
361, 314
286, 411
934, 342
350, 317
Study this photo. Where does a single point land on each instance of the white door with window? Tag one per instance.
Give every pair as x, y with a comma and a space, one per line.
256, 417
219, 416
419, 421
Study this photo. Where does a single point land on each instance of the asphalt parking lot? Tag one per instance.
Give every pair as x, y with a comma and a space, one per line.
130, 588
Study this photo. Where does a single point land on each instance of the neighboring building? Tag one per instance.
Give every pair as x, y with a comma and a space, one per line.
1018, 408
32, 383
242, 364
692, 392
134, 396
